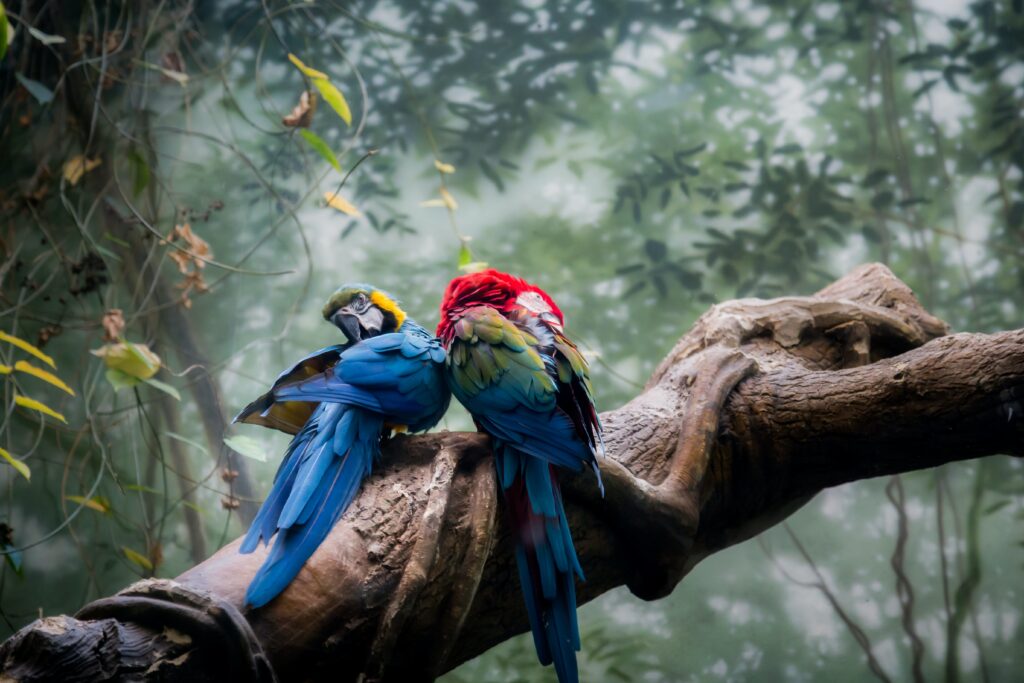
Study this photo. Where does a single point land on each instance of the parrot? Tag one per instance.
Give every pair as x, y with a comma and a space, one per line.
528, 387
339, 403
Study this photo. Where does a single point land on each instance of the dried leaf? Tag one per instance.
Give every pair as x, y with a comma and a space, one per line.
448, 199
443, 167
97, 503
336, 201
306, 71
32, 404
321, 147
433, 203
77, 166
18, 465
28, 348
302, 114
50, 378
113, 324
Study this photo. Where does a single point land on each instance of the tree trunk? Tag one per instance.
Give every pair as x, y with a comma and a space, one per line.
759, 407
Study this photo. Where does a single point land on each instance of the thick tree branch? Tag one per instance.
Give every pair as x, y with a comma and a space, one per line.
760, 406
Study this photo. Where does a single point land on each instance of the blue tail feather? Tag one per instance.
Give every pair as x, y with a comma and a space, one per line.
315, 485
545, 557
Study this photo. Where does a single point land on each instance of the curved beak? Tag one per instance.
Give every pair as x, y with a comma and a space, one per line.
358, 326
348, 323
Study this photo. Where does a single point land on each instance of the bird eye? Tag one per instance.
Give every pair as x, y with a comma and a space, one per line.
360, 302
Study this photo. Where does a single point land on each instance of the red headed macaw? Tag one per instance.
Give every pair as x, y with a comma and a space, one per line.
339, 402
527, 386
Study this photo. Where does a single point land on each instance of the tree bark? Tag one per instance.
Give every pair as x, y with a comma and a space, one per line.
759, 407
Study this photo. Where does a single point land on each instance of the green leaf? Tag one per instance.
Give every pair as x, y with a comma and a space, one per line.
334, 98
321, 147
45, 38
140, 172
137, 558
3, 31
247, 446
36, 89
121, 380
164, 387
18, 465
465, 255
194, 444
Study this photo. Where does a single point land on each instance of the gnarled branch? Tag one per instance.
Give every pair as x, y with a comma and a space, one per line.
760, 406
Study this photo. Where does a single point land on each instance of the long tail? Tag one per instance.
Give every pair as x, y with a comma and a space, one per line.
318, 479
545, 555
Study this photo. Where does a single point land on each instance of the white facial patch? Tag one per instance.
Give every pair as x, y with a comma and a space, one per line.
533, 302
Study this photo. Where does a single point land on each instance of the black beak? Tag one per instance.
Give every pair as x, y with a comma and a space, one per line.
349, 324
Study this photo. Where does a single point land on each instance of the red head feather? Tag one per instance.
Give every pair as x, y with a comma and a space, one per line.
491, 288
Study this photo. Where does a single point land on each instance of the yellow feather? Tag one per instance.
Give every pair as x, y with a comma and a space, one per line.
385, 304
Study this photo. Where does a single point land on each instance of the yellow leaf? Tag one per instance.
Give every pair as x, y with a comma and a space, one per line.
29, 369
336, 201
137, 558
77, 166
32, 404
333, 97
443, 167
448, 199
25, 346
307, 71
134, 360
433, 203
5, 369
18, 465
97, 503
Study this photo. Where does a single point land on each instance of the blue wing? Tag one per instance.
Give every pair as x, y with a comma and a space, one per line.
398, 375
290, 416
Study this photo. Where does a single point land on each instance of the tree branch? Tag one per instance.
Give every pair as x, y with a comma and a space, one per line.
760, 406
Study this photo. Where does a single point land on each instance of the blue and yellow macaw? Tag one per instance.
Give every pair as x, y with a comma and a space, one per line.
339, 402
510, 364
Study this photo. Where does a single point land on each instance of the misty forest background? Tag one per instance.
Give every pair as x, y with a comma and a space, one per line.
640, 160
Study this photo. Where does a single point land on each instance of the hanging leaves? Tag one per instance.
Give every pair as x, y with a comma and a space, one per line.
191, 260
20, 467
48, 377
138, 558
97, 503
77, 166
3, 31
45, 38
302, 114
113, 324
32, 404
247, 446
133, 360
306, 71
328, 91
36, 89
27, 347
321, 147
336, 201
